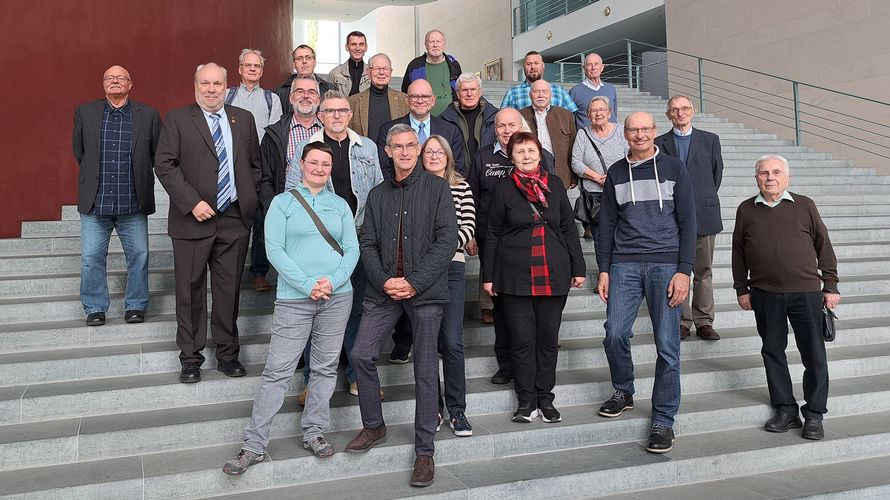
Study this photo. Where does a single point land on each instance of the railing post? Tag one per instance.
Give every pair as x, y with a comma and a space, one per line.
797, 131
630, 70
562, 72
639, 70
701, 85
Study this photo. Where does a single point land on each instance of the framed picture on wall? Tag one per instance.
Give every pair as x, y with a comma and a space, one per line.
492, 70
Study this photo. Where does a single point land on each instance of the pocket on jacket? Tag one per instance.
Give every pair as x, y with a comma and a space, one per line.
712, 201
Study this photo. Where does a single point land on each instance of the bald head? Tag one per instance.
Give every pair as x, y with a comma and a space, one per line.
639, 131
507, 122
420, 99
593, 67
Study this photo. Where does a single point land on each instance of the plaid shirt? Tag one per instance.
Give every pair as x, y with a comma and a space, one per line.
299, 133
517, 97
116, 194
540, 272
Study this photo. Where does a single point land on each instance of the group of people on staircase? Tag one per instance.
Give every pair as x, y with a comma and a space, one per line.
369, 237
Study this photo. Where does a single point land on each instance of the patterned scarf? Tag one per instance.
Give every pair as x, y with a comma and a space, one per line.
532, 184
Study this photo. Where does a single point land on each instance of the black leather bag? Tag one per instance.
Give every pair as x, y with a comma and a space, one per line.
828, 318
587, 207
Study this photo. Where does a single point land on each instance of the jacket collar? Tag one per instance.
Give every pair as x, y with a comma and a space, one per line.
407, 181
353, 137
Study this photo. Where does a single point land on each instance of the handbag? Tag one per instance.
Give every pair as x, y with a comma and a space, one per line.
318, 224
587, 206
828, 317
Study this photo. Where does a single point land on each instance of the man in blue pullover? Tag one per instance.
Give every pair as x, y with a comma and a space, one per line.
646, 248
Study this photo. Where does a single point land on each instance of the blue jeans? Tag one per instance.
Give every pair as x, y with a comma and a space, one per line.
359, 280
629, 283
95, 233
451, 342
296, 322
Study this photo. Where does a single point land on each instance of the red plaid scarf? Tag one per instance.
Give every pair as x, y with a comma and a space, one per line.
532, 184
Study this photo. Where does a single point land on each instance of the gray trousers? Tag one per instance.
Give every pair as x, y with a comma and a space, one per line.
378, 321
295, 322
698, 309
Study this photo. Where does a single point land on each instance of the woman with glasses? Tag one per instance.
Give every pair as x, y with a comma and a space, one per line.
438, 160
532, 257
312, 243
596, 148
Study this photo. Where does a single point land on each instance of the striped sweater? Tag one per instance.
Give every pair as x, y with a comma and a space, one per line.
466, 217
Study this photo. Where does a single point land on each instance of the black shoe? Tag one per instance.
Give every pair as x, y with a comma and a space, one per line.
549, 413
190, 374
661, 439
781, 422
502, 376
95, 319
399, 355
232, 368
684, 332
812, 429
525, 413
134, 316
616, 405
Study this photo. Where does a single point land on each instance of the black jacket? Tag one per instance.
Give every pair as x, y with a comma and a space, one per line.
507, 254
484, 132
705, 166
423, 204
283, 91
273, 156
438, 126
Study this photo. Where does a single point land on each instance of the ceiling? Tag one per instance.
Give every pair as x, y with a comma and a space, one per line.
343, 10
647, 27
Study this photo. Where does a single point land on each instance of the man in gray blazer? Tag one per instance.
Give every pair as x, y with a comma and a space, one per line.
208, 161
700, 151
114, 143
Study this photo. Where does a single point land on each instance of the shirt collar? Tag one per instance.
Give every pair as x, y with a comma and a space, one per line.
294, 123
415, 123
589, 83
221, 112
682, 134
539, 112
498, 148
247, 89
760, 200
123, 109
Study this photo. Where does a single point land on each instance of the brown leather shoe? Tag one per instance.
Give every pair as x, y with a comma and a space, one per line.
487, 317
261, 285
301, 399
684, 332
367, 439
424, 471
707, 332
587, 234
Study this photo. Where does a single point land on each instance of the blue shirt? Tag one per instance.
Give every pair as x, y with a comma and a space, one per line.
227, 142
518, 98
116, 194
415, 124
297, 249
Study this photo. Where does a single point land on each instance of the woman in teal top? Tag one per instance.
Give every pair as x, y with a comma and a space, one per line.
312, 305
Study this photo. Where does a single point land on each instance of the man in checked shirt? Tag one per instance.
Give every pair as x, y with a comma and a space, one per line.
114, 143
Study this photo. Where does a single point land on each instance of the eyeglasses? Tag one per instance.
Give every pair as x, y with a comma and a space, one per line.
333, 112
379, 69
416, 97
398, 148
304, 58
255, 66
310, 92
112, 78
434, 154
676, 111
316, 163
599, 111
641, 130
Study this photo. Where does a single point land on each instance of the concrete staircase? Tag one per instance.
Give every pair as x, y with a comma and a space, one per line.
99, 413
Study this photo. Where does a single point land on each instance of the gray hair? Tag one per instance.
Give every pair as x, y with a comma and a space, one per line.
769, 157
678, 96
202, 66
255, 52
379, 55
468, 77
399, 128
599, 98
293, 84
333, 94
426, 37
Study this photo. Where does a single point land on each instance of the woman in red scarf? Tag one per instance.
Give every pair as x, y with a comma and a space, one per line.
532, 257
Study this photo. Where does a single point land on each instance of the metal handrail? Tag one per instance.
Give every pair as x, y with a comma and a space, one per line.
543, 10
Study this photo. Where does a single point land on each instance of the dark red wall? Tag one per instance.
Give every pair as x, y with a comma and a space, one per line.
55, 51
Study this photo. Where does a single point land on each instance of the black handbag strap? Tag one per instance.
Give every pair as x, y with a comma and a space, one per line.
321, 229
600, 155
544, 222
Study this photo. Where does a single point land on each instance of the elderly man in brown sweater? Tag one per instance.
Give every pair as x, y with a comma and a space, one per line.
778, 238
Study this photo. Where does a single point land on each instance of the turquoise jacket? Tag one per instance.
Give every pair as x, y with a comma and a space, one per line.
298, 251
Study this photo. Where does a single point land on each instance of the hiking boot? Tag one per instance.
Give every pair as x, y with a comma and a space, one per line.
240, 462
320, 447
616, 405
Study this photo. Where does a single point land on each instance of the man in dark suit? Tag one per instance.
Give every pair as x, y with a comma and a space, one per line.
114, 143
208, 161
420, 101
700, 151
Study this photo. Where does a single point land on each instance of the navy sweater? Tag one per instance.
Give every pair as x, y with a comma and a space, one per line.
635, 226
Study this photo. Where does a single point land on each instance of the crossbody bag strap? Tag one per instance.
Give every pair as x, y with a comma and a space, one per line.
321, 229
544, 222
600, 155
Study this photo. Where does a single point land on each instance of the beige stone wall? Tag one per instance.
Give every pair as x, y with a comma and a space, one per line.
838, 44
476, 31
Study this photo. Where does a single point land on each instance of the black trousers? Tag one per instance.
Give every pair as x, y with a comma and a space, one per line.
773, 311
533, 325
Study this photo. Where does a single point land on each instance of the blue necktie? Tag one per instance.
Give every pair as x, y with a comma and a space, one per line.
224, 182
421, 132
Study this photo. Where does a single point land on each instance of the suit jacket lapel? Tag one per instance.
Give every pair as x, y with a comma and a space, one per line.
669, 146
695, 144
99, 111
201, 124
136, 114
235, 125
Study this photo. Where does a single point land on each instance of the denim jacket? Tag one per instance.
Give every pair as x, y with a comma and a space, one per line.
364, 169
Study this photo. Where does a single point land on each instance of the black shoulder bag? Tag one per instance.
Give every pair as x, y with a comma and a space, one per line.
587, 206
321, 229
